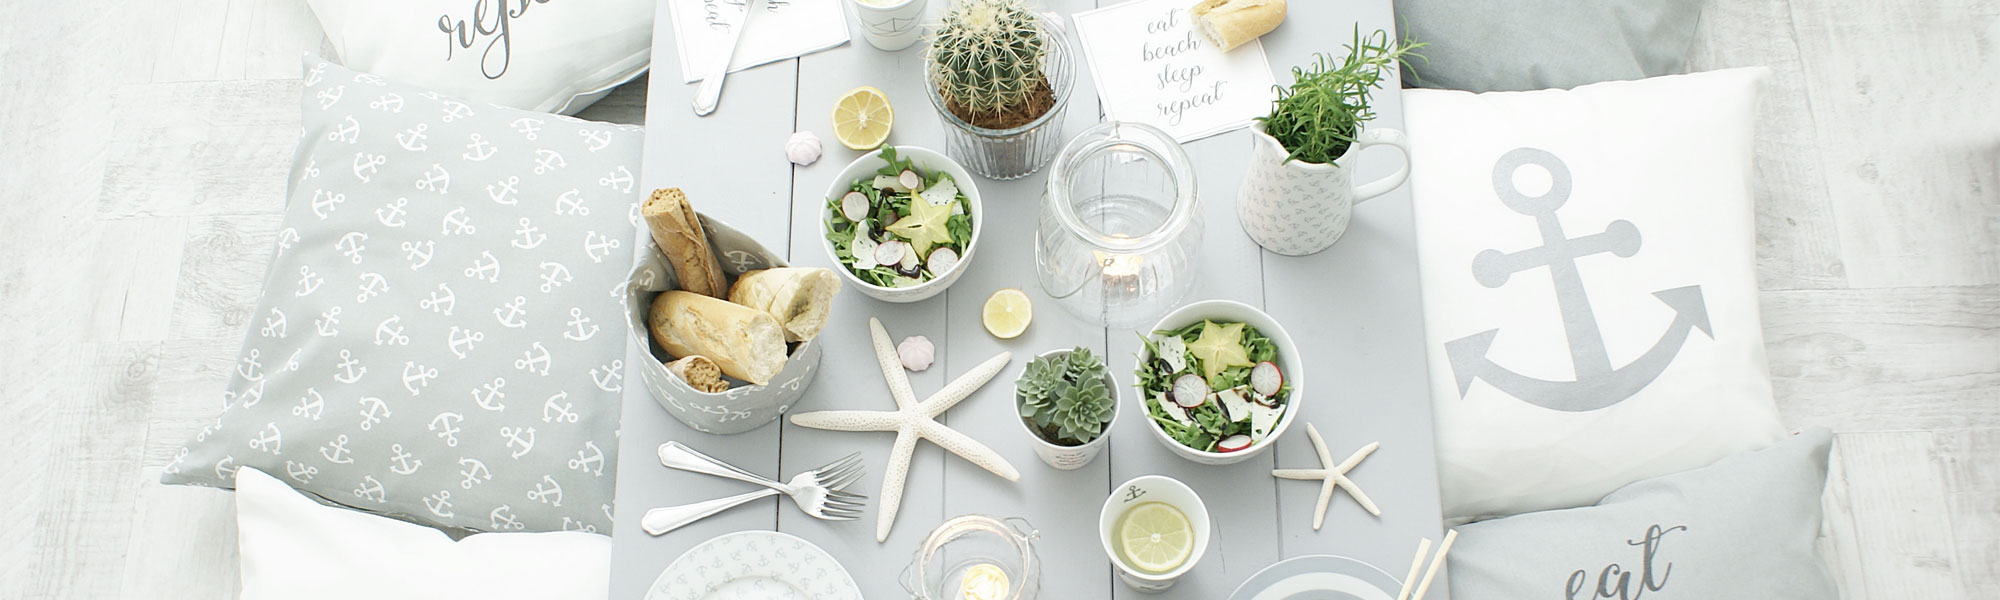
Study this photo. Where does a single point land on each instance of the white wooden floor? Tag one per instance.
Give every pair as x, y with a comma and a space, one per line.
143, 147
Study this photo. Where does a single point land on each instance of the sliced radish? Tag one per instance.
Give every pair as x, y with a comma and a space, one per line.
1266, 379
1233, 443
942, 260
910, 180
1190, 391
889, 253
854, 206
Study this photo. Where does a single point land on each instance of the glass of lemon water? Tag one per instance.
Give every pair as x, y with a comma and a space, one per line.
1155, 529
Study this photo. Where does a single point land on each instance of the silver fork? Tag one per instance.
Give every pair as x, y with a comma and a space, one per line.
817, 492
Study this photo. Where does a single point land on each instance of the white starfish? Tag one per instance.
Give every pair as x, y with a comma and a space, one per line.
914, 420
1333, 476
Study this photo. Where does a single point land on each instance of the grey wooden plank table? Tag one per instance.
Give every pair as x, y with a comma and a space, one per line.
1353, 309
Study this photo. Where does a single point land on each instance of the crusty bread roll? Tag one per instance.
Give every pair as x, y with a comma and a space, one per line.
744, 342
1232, 23
700, 373
678, 232
799, 297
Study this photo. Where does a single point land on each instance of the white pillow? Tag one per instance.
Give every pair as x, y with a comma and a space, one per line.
1650, 181
533, 55
296, 549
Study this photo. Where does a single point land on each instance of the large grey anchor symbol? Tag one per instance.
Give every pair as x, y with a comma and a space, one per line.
1597, 384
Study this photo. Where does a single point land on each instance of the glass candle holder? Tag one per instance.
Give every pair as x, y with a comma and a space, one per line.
1120, 223
976, 557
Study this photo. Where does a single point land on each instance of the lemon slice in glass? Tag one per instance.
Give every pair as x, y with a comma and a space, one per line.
1007, 313
862, 117
1155, 537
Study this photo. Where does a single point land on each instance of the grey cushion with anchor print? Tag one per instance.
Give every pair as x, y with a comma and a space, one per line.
1741, 528
438, 338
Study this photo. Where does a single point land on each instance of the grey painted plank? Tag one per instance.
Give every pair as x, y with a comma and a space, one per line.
849, 377
201, 148
221, 270
1973, 493
686, 151
1903, 534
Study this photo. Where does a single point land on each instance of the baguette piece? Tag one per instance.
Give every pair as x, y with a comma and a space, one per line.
1231, 23
744, 342
800, 298
678, 231
700, 373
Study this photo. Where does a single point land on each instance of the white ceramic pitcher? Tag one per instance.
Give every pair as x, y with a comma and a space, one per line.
1299, 208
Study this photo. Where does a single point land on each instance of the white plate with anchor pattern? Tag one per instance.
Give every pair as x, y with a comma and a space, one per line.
755, 565
1319, 577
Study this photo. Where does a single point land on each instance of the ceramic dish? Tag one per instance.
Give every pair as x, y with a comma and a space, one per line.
740, 408
1069, 457
927, 161
1319, 577
754, 565
1288, 360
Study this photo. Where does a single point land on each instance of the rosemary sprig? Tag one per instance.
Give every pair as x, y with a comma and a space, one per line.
1318, 117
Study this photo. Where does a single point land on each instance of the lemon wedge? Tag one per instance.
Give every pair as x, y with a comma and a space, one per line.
1007, 313
1155, 537
862, 118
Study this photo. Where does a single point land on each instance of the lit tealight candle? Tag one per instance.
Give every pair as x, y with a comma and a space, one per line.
983, 581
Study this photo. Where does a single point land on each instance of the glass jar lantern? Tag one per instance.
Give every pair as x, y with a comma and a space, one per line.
976, 557
1120, 225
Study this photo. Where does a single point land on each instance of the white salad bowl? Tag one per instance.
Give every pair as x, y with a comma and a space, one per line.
926, 160
1289, 361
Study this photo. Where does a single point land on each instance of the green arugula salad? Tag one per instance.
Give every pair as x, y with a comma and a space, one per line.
901, 227
1213, 387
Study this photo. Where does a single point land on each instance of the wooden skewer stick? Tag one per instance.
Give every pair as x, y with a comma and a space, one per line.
1436, 561
1423, 551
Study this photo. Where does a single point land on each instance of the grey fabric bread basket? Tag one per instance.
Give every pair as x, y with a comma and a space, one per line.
742, 407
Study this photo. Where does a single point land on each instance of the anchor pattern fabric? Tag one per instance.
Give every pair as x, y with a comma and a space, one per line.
439, 336
1590, 297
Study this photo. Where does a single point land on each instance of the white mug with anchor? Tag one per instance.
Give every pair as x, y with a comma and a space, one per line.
1298, 208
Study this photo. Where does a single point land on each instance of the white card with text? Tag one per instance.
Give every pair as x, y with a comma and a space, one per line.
1151, 67
786, 29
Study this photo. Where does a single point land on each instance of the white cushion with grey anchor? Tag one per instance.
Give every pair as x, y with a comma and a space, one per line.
439, 338
1590, 295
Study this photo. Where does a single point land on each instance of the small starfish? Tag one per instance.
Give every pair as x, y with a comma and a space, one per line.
1333, 475
914, 420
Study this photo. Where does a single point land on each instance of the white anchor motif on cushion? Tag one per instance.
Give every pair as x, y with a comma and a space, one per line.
373, 411
554, 275
473, 472
372, 285
390, 332
534, 360
552, 411
488, 395
416, 377
391, 215
531, 236
419, 253
502, 191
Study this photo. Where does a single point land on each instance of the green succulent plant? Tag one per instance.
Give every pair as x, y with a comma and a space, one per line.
986, 58
1318, 117
1064, 398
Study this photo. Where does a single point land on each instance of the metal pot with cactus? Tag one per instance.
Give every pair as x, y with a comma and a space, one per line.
1000, 76
1067, 401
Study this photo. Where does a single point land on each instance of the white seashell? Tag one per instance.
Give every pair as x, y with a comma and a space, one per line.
916, 352
802, 148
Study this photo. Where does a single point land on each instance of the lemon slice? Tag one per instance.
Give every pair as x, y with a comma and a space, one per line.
1007, 313
862, 117
1156, 537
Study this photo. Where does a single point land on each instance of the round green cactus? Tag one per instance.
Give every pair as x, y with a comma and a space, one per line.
986, 57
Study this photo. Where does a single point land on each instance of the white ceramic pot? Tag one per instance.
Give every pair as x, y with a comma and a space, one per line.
1288, 360
926, 160
1153, 488
740, 408
1298, 208
1070, 457
890, 25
